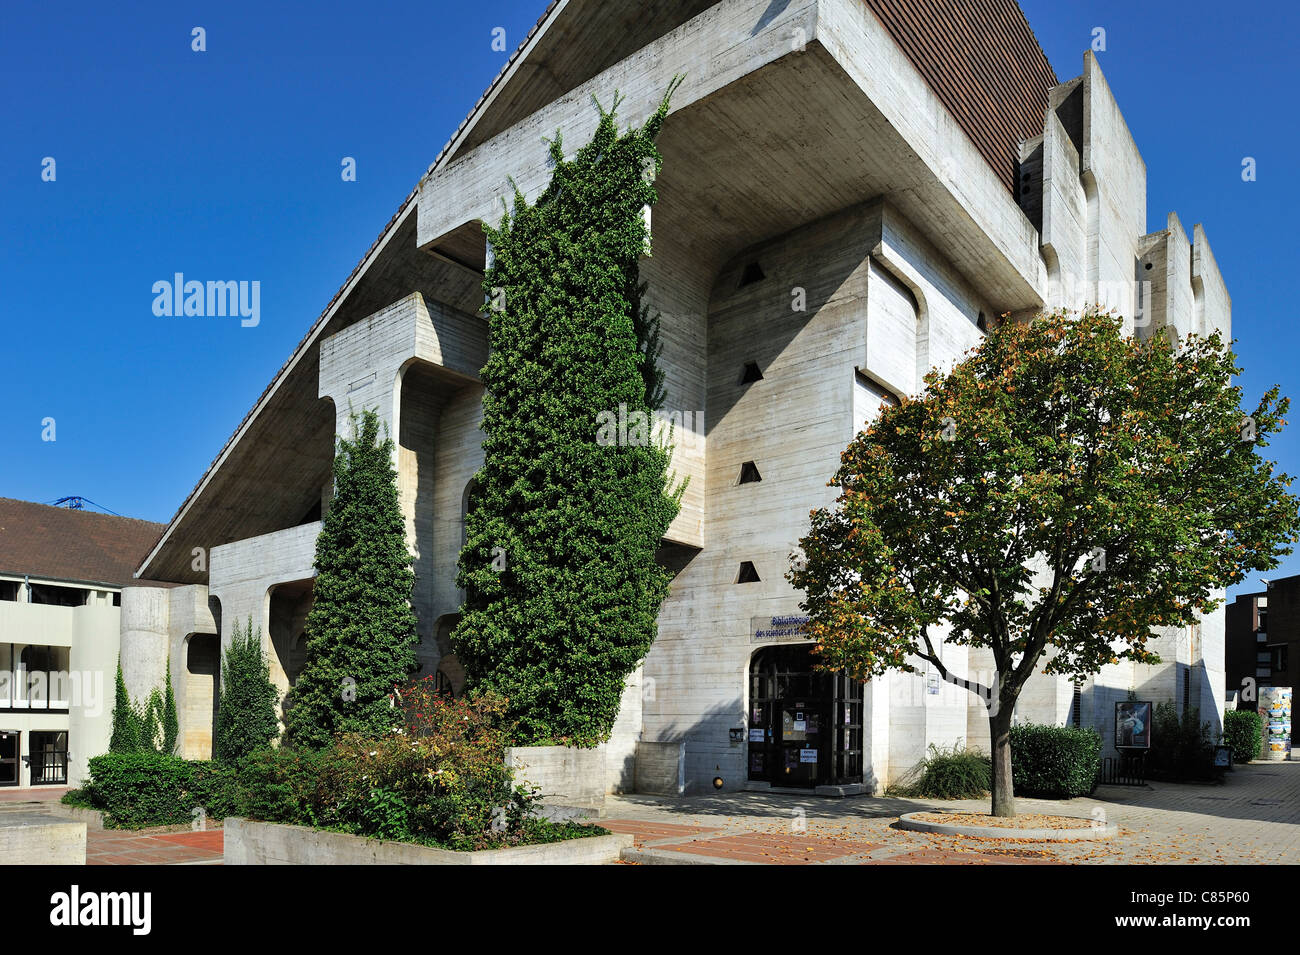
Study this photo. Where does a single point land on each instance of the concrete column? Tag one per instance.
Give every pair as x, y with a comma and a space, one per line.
144, 644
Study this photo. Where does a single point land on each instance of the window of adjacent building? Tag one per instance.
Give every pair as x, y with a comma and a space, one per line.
1076, 706
749, 473
9, 589
751, 373
54, 595
1187, 688
48, 751
748, 575
117, 599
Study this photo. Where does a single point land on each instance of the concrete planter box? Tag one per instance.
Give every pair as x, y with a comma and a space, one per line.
571, 780
93, 818
34, 838
264, 843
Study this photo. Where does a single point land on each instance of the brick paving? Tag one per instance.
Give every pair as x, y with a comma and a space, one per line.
153, 847
1252, 817
32, 795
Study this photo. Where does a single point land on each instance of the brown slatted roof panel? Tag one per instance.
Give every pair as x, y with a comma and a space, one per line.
983, 62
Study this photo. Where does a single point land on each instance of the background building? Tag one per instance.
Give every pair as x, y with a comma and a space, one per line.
61, 577
907, 170
1263, 633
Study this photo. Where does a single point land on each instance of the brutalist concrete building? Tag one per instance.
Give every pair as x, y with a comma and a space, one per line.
853, 190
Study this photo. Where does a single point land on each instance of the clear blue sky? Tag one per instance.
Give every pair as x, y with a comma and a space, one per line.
226, 165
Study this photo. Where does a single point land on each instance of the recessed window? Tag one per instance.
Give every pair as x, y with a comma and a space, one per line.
752, 273
748, 575
982, 323
751, 373
749, 473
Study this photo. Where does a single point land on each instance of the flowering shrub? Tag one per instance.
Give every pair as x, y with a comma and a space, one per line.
440, 779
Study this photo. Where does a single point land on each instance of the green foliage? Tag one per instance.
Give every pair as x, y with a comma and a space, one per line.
1243, 730
361, 634
950, 773
246, 720
1054, 762
151, 735
171, 728
151, 728
127, 727
563, 591
442, 781
1181, 745
142, 789
1055, 497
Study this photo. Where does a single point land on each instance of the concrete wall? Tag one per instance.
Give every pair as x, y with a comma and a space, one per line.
262, 843
568, 777
36, 839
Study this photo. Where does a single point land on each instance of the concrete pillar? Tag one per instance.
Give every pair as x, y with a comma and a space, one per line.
144, 645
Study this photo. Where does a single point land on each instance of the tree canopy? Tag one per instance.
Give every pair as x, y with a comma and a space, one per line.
1059, 494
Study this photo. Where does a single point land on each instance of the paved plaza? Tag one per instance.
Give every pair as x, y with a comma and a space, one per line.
1252, 817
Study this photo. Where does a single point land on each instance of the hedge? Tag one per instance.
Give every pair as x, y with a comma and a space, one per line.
1054, 762
1243, 730
153, 789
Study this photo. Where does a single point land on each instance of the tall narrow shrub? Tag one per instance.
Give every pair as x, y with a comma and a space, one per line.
246, 719
574, 495
171, 729
125, 737
360, 631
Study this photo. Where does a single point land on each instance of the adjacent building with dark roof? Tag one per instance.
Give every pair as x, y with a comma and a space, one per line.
61, 576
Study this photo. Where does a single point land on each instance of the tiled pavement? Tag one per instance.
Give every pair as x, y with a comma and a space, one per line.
1252, 817
122, 847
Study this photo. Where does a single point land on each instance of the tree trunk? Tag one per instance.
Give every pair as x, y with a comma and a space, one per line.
1004, 801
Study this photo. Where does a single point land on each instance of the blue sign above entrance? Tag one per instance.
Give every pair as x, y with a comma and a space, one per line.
774, 629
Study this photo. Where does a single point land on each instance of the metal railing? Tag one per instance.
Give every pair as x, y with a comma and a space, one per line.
1124, 770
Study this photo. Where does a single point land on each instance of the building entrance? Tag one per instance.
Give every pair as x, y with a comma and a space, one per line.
9, 748
805, 727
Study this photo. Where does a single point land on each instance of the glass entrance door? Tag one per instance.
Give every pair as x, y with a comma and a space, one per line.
9, 758
805, 725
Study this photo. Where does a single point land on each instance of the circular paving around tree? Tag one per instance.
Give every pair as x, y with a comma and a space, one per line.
1029, 826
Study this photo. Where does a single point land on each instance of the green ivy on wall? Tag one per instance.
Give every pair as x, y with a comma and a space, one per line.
563, 590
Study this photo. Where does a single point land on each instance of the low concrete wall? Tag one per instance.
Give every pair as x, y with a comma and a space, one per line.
263, 843
93, 818
661, 767
34, 838
568, 777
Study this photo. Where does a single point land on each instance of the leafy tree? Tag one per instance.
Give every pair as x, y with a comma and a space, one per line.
563, 591
246, 720
125, 737
1055, 497
360, 631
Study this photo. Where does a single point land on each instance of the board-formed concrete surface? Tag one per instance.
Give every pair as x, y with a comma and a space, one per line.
264, 843
32, 837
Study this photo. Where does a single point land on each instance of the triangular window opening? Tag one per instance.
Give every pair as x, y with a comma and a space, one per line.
753, 273
748, 575
749, 473
751, 373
